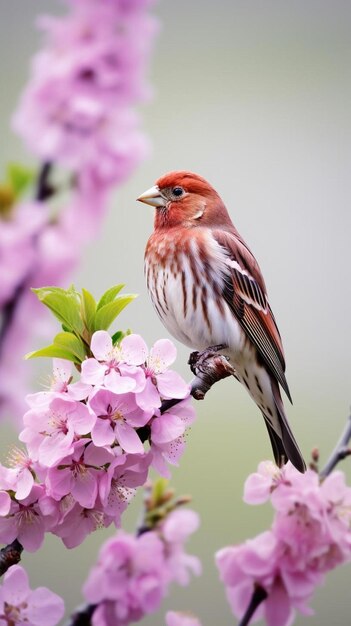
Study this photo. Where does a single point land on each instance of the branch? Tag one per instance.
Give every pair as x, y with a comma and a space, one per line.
10, 555
82, 616
209, 367
258, 596
340, 452
43, 191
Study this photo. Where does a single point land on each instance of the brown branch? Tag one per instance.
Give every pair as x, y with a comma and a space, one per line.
209, 367
10, 555
43, 191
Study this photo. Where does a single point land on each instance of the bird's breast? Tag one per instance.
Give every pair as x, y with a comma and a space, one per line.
185, 278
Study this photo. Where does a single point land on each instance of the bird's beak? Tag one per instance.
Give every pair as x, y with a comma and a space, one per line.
153, 196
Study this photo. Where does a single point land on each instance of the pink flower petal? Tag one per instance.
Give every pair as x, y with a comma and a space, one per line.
102, 433
16, 586
134, 350
45, 607
93, 372
128, 438
62, 370
277, 607
101, 345
24, 484
148, 399
171, 385
5, 503
117, 383
162, 355
166, 428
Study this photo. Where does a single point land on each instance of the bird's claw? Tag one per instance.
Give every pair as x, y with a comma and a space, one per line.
198, 361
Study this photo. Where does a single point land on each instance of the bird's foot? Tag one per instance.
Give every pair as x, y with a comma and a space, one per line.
198, 360
209, 367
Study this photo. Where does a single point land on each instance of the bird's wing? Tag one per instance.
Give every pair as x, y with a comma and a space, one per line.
245, 293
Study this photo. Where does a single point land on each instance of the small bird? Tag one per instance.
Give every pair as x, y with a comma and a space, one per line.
208, 290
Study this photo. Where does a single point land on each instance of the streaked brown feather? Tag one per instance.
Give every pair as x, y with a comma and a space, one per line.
259, 324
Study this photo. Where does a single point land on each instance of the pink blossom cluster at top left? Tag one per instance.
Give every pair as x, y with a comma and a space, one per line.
309, 537
79, 106
86, 450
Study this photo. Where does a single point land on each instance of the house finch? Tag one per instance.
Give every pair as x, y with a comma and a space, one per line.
208, 290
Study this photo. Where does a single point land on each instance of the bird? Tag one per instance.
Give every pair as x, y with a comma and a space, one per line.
208, 290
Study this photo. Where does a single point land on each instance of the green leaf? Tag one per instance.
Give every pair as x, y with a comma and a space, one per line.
72, 344
52, 351
109, 295
108, 313
64, 304
88, 309
19, 177
117, 337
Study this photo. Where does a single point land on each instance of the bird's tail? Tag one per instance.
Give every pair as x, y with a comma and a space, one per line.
285, 447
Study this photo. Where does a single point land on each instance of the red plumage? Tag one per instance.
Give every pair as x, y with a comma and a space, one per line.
208, 289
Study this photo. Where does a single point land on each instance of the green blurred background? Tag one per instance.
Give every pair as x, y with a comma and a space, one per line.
255, 96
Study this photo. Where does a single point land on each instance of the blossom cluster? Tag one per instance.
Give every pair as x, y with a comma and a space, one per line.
133, 574
90, 443
310, 536
77, 112
20, 605
78, 109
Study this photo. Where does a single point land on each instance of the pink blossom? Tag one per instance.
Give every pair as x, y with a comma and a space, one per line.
84, 84
78, 474
25, 521
79, 522
181, 619
130, 576
49, 432
119, 481
176, 529
310, 536
166, 426
133, 574
20, 605
111, 367
22, 471
117, 415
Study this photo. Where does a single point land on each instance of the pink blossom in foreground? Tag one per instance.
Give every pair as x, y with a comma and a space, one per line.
88, 449
310, 536
181, 619
133, 574
20, 605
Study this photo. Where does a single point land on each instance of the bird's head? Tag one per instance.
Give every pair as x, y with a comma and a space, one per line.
185, 199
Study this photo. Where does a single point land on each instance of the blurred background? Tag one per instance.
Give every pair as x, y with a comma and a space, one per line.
254, 96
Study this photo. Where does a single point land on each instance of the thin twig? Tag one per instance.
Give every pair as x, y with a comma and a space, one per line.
43, 188
82, 616
258, 596
10, 555
43, 191
340, 452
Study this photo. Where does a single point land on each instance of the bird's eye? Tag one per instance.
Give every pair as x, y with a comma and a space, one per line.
177, 191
